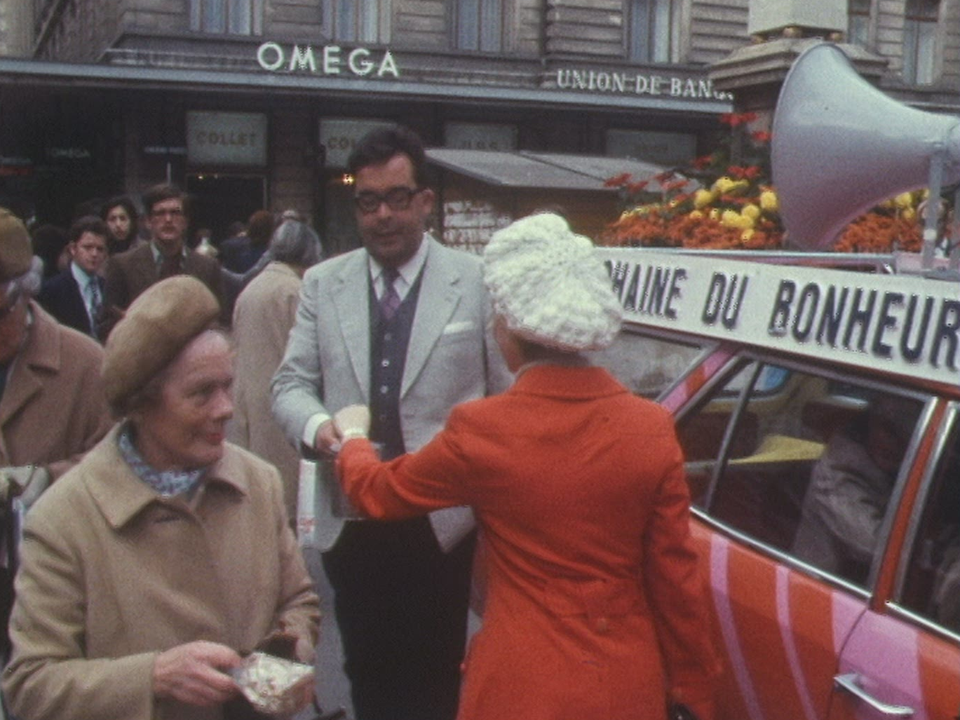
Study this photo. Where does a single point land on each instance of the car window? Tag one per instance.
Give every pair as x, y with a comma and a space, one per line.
800, 462
932, 583
648, 366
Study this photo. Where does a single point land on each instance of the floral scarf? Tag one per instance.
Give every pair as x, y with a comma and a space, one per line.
166, 482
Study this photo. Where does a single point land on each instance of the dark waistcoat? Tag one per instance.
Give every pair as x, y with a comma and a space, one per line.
388, 353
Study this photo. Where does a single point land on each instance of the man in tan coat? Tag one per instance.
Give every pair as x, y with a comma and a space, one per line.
262, 318
52, 406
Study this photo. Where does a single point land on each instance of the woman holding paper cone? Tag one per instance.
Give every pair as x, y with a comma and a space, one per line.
594, 606
151, 567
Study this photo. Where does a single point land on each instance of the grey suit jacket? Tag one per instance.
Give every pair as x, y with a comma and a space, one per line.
452, 357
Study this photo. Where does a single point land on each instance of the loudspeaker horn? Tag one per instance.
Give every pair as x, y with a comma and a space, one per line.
840, 146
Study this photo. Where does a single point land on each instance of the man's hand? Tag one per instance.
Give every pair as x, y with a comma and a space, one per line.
193, 674
328, 438
353, 421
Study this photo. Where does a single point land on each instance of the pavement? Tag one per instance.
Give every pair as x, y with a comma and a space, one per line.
333, 688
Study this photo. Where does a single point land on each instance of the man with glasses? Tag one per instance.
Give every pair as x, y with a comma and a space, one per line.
402, 326
52, 403
133, 271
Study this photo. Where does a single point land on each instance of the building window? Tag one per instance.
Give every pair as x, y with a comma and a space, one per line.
232, 17
653, 30
479, 25
360, 21
920, 40
858, 30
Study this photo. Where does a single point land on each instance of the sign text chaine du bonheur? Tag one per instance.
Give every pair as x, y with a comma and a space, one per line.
897, 323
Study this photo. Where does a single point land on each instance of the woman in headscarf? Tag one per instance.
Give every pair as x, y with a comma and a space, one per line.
150, 568
595, 607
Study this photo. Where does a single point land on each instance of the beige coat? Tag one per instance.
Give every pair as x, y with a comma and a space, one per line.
111, 574
53, 408
262, 319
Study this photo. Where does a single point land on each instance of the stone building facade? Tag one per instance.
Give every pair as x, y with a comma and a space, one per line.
255, 103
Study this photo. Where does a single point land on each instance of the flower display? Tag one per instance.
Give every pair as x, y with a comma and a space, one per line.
726, 200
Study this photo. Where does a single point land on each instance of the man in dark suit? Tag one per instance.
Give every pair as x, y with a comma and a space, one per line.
133, 271
401, 324
75, 296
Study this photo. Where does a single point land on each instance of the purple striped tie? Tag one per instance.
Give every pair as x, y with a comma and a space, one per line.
390, 299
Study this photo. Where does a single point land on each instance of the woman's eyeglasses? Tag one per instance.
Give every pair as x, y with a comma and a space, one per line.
398, 198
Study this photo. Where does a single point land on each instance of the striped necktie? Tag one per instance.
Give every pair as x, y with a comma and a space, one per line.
96, 301
390, 299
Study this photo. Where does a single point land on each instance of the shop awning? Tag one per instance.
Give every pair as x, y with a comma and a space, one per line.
531, 170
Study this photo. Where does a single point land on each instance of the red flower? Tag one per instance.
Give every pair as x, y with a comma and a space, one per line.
617, 180
738, 119
637, 186
702, 162
761, 136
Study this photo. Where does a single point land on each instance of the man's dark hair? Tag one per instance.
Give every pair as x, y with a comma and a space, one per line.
260, 228
164, 191
90, 224
378, 146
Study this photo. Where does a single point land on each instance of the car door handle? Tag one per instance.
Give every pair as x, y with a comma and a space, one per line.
850, 683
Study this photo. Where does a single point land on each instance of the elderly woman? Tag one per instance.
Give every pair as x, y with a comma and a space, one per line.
262, 319
149, 569
594, 605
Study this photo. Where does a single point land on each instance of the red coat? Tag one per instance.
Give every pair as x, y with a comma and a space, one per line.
593, 590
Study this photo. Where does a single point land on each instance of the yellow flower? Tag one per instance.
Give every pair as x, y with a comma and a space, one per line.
769, 201
731, 218
702, 198
747, 234
908, 214
714, 213
903, 200
722, 185
695, 214
751, 211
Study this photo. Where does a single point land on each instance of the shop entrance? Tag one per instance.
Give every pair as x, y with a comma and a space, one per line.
219, 200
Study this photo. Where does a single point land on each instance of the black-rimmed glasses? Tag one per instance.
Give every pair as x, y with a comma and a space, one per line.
398, 198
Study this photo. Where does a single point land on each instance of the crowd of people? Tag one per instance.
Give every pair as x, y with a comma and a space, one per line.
504, 471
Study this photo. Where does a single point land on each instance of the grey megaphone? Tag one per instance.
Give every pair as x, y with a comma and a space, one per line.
840, 146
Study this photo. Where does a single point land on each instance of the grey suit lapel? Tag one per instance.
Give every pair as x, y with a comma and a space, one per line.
351, 300
440, 293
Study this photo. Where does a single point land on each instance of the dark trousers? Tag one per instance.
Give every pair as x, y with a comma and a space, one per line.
401, 606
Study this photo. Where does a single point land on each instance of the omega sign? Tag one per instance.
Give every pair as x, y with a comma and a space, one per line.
328, 60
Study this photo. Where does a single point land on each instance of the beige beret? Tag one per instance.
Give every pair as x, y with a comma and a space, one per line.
16, 253
156, 327
550, 286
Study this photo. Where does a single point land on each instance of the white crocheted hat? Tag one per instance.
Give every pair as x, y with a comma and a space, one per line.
549, 285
